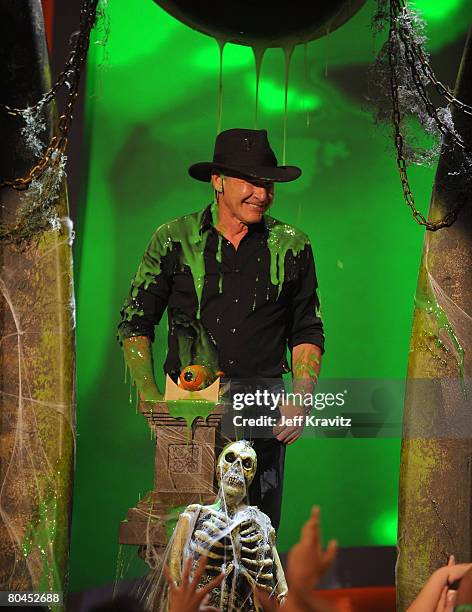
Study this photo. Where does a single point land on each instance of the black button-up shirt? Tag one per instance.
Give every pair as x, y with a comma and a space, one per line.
245, 322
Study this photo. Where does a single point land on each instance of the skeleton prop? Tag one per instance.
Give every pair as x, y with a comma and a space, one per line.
237, 539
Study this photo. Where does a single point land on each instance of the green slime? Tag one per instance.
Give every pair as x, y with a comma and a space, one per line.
190, 409
40, 535
282, 238
138, 358
306, 366
185, 231
194, 342
430, 306
218, 250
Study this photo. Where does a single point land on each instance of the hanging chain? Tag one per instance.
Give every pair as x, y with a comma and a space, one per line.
395, 35
70, 77
430, 108
442, 90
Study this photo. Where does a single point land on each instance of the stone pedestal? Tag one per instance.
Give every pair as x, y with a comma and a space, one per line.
184, 471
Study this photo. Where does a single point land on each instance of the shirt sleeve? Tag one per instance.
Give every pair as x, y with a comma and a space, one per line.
306, 326
150, 290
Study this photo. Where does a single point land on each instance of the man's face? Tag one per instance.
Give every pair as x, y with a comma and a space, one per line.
247, 200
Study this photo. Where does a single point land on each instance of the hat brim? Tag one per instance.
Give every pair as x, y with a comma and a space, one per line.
281, 174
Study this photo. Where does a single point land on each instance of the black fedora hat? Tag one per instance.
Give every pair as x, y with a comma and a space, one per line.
244, 153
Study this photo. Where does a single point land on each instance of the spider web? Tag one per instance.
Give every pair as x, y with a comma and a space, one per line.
37, 397
37, 432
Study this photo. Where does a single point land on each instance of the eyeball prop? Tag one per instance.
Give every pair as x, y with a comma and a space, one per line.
193, 377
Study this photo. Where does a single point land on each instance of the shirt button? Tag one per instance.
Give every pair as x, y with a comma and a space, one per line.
236, 270
233, 330
235, 300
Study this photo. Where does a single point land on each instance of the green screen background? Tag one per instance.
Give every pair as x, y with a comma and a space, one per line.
151, 111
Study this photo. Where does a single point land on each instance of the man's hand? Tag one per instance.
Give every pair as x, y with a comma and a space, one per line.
306, 363
185, 597
138, 357
289, 433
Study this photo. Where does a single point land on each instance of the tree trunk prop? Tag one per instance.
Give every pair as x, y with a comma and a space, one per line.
37, 418
435, 518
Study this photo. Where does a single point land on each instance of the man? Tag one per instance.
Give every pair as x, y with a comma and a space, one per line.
240, 286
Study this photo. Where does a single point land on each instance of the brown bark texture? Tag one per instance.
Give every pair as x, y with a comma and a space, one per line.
37, 342
435, 518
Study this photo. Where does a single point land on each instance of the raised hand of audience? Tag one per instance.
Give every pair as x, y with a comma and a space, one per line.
187, 597
307, 562
464, 593
436, 596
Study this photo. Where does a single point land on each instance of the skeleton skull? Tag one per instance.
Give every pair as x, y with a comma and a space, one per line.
236, 468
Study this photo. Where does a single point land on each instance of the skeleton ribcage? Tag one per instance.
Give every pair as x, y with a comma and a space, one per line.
245, 547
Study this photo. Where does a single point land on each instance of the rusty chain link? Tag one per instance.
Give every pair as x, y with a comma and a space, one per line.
430, 108
442, 90
411, 52
70, 77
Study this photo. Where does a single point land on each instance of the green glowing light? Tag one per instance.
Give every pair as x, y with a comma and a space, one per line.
272, 95
436, 10
234, 57
127, 45
384, 528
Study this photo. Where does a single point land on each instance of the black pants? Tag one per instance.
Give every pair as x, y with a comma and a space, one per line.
265, 491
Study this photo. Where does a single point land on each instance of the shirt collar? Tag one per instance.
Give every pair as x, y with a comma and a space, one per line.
207, 223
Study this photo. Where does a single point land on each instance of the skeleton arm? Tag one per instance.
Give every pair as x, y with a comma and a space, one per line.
281, 588
182, 534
